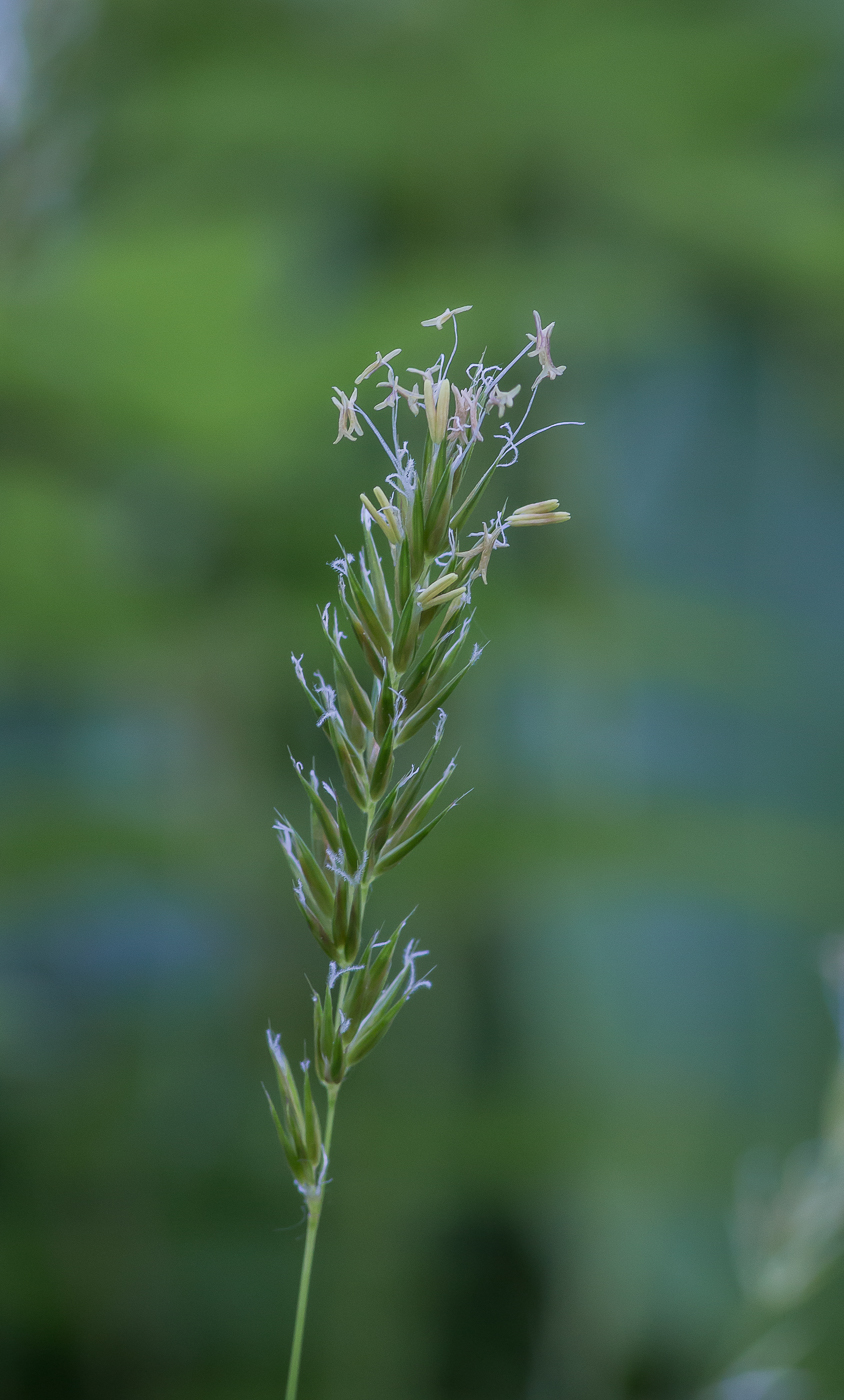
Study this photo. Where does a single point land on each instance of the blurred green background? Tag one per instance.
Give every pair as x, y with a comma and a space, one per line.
211, 213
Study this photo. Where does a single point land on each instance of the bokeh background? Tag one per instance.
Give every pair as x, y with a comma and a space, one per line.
213, 211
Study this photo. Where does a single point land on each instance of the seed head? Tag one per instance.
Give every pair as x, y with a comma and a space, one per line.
390, 600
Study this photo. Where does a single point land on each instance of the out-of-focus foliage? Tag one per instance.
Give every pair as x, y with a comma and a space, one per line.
212, 212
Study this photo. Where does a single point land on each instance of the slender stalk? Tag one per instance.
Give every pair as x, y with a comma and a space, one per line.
314, 1213
333, 1091
314, 1210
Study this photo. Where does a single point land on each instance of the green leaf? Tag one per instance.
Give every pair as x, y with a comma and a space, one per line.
349, 847
324, 817
367, 616
414, 723
323, 1036
298, 856
353, 935
313, 1136
378, 970
340, 920
418, 674
385, 709
354, 777
367, 985
379, 583
406, 634
443, 663
314, 878
418, 813
293, 1162
390, 857
321, 933
374, 660
408, 794
359, 697
383, 766
442, 655
338, 1062
352, 722
417, 533
463, 465
403, 582
381, 822
461, 515
371, 1036
300, 676
436, 519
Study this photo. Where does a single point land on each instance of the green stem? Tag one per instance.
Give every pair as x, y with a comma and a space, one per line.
302, 1305
314, 1213
315, 1202
332, 1092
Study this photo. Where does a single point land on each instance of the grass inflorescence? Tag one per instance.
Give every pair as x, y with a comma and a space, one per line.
406, 598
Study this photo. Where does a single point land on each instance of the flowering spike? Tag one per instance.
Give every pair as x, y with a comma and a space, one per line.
410, 611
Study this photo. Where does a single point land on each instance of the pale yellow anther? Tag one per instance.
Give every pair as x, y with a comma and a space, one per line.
387, 520
542, 348
393, 517
488, 541
552, 518
376, 364
442, 411
447, 597
349, 426
447, 315
436, 591
502, 399
436, 408
538, 513
430, 405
